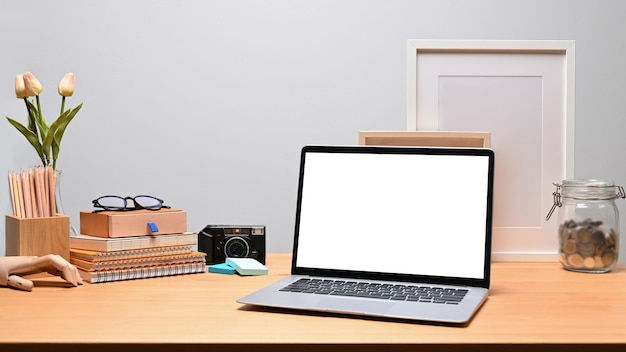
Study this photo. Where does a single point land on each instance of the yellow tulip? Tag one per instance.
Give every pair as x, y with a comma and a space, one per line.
32, 85
20, 88
66, 86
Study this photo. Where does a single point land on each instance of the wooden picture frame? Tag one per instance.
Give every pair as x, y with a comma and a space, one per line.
426, 138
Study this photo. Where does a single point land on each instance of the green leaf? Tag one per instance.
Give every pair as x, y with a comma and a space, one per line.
43, 125
31, 137
49, 141
57, 129
31, 115
40, 122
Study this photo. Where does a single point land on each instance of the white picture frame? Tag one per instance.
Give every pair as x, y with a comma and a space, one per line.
522, 92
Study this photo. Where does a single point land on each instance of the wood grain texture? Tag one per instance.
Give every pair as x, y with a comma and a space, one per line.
426, 138
38, 236
531, 305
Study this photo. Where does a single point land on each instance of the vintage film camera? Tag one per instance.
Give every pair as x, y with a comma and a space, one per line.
228, 241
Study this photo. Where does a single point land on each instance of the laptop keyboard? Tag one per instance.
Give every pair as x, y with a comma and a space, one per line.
413, 293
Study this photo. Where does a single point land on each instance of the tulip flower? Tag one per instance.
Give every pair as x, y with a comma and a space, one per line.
20, 88
32, 85
66, 86
43, 136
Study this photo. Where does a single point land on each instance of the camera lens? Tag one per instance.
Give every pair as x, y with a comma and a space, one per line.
236, 247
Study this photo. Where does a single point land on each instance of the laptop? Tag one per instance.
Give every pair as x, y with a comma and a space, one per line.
391, 232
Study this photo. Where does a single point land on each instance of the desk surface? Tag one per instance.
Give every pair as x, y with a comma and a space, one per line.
536, 304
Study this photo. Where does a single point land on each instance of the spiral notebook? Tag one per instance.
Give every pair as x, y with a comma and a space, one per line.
391, 232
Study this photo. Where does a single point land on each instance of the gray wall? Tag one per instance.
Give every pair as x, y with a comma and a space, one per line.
206, 103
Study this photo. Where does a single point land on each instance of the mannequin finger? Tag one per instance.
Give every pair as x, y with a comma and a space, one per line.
79, 279
20, 283
69, 271
57, 265
50, 263
69, 274
53, 264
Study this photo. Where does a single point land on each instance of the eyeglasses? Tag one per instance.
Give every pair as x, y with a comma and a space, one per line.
116, 203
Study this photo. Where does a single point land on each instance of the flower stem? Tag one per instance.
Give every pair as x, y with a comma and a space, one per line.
62, 105
32, 124
38, 106
42, 133
39, 118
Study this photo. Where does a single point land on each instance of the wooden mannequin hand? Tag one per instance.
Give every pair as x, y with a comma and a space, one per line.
13, 266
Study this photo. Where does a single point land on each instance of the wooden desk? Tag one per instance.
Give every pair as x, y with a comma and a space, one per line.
531, 306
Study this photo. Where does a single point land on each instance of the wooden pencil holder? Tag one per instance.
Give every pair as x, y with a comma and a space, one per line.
38, 236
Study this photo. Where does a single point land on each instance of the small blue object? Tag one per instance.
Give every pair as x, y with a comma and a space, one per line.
222, 269
247, 266
153, 227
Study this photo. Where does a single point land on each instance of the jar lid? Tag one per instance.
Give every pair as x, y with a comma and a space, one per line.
585, 189
589, 182
590, 189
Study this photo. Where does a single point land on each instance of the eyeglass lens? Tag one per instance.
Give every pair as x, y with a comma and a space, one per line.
115, 202
148, 202
112, 202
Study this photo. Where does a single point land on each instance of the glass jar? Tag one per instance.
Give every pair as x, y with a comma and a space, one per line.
588, 229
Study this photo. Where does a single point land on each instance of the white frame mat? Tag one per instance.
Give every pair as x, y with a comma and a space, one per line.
522, 92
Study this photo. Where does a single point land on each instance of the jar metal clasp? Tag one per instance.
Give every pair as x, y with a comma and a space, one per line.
557, 199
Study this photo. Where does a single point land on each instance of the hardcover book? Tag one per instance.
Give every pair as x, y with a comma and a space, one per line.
105, 244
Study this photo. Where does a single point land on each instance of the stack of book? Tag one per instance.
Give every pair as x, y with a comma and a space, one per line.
126, 258
105, 259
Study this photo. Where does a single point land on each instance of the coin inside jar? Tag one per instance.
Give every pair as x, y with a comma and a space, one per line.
583, 235
597, 237
587, 245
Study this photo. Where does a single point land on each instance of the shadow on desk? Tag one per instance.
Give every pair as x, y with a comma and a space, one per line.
311, 313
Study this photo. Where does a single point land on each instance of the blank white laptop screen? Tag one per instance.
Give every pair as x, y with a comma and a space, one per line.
394, 213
